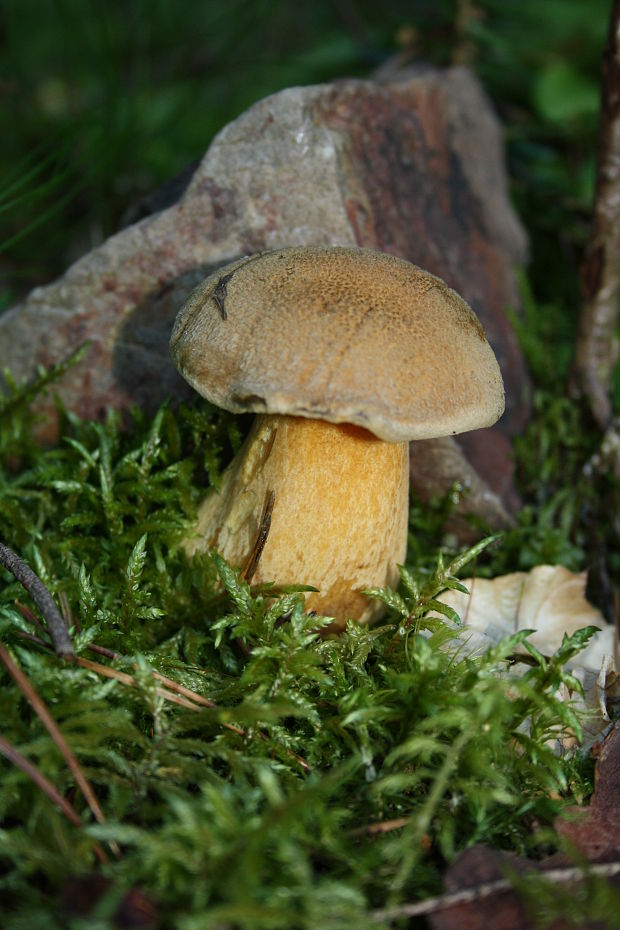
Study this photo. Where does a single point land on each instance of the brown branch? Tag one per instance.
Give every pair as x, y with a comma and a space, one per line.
186, 698
33, 639
596, 351
126, 679
181, 689
110, 654
42, 598
52, 728
485, 890
103, 651
45, 785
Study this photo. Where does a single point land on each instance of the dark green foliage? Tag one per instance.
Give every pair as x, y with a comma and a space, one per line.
103, 502
106, 102
254, 812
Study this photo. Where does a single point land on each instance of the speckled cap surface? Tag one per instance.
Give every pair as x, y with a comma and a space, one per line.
339, 334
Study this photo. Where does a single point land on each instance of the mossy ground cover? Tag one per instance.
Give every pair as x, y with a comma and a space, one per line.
251, 798
252, 773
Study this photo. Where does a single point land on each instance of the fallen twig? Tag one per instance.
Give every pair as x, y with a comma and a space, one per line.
486, 889
42, 598
186, 698
126, 679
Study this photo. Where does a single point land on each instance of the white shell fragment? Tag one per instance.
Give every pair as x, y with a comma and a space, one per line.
550, 600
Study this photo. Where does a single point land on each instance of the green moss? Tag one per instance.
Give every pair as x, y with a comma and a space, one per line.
252, 813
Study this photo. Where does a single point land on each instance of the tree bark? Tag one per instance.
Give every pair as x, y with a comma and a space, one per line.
597, 348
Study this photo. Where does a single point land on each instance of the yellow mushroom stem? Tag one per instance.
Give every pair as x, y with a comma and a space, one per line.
339, 518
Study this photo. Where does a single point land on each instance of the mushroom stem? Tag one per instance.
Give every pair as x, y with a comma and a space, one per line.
339, 519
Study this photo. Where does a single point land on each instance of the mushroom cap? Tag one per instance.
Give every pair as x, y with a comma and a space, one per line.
345, 335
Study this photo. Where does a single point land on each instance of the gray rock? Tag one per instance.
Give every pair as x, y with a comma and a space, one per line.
413, 167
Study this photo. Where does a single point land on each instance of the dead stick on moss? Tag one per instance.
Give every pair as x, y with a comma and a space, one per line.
485, 890
185, 698
52, 728
45, 785
102, 651
42, 598
181, 689
126, 679
596, 350
170, 684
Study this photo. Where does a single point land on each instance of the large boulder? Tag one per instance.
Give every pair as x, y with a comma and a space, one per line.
413, 167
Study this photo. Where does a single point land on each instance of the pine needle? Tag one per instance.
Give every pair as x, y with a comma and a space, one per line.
52, 728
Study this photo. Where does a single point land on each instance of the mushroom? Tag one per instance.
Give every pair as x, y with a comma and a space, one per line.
345, 354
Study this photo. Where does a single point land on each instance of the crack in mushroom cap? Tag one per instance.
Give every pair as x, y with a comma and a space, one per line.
340, 334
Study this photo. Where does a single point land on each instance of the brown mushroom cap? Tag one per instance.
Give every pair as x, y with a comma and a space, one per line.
339, 334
